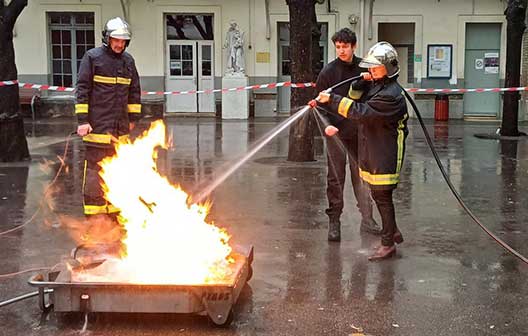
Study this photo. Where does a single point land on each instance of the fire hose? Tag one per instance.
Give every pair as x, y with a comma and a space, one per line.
455, 193
62, 160
452, 187
313, 103
23, 297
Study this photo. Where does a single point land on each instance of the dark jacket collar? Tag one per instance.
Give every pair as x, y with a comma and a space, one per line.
355, 61
380, 84
109, 50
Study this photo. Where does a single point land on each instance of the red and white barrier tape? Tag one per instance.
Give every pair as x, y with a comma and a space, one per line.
6, 83
521, 88
256, 87
242, 88
41, 87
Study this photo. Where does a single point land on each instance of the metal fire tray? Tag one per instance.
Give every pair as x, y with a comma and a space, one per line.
214, 300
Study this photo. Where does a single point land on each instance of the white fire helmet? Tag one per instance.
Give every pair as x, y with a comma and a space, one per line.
382, 53
116, 28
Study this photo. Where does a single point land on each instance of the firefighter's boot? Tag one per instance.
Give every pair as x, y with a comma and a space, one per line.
383, 252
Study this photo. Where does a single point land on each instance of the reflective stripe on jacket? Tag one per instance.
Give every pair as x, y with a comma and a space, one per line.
382, 119
108, 95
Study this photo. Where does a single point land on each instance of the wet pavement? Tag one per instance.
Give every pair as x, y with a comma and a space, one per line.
449, 277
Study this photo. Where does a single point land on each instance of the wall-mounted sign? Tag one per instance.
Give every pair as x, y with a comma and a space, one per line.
263, 57
439, 60
418, 58
491, 63
479, 63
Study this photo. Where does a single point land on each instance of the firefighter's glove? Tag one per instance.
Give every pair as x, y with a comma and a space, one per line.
323, 97
84, 129
367, 76
331, 130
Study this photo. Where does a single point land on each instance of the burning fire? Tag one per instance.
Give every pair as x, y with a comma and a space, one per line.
167, 241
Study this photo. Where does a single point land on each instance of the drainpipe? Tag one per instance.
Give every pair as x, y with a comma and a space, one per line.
370, 23
250, 23
125, 7
361, 26
268, 25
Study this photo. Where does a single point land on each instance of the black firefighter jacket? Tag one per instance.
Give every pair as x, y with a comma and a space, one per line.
382, 119
108, 95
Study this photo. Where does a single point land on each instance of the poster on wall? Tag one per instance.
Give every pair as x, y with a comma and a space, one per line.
439, 60
491, 63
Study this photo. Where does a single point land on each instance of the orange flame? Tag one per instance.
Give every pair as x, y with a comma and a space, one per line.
167, 241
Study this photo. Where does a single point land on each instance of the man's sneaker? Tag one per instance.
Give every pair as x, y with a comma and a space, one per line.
334, 230
370, 226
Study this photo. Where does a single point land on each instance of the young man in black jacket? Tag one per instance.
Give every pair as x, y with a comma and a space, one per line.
345, 66
382, 120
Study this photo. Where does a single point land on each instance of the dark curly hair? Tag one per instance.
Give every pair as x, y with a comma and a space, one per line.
345, 35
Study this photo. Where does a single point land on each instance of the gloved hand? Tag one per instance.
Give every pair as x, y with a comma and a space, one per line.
331, 130
323, 97
84, 129
367, 76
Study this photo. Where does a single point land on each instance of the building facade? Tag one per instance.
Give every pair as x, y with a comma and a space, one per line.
179, 45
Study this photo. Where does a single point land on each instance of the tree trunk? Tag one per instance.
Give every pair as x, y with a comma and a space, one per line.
317, 56
515, 15
301, 141
13, 144
316, 49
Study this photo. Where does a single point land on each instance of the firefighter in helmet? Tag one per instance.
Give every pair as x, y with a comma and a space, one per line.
108, 103
382, 119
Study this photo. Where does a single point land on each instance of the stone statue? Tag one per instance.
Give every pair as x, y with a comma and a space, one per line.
234, 43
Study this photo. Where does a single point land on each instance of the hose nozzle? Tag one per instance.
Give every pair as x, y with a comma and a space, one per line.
313, 103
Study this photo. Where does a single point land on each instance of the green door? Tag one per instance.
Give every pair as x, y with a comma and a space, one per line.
482, 68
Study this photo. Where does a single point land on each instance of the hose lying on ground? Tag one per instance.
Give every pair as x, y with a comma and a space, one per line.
23, 297
62, 160
453, 190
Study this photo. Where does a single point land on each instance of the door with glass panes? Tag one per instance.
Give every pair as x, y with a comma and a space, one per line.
189, 68
189, 62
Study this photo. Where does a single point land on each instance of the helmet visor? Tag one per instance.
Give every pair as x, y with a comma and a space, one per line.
120, 34
369, 62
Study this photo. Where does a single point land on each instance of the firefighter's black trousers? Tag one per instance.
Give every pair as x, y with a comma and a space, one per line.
94, 201
383, 199
337, 158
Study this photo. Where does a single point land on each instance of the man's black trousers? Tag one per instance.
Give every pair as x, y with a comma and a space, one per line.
337, 154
